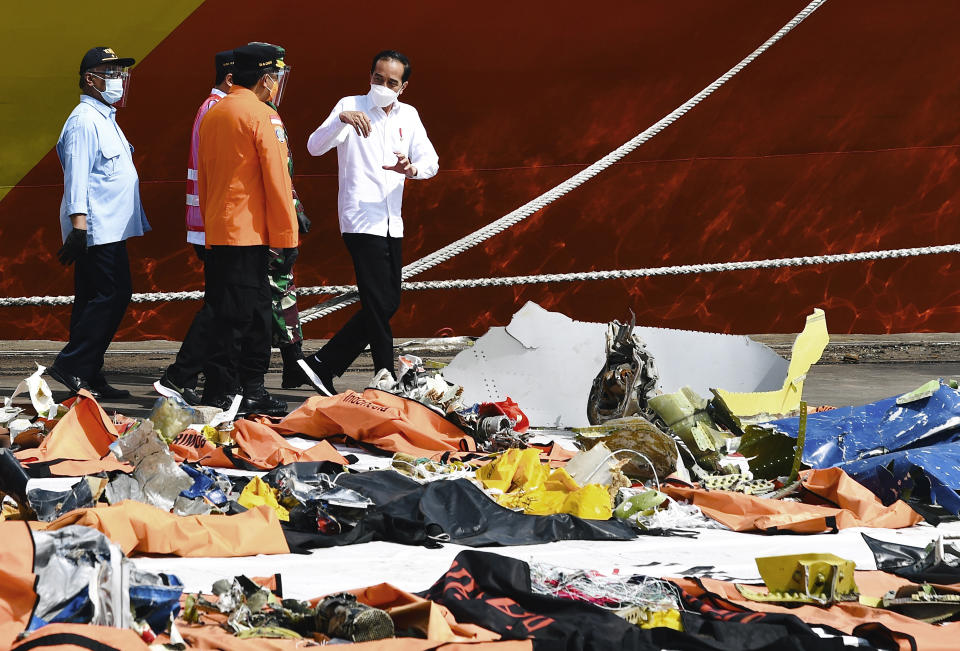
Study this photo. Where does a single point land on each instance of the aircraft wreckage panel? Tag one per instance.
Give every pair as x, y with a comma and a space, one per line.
546, 361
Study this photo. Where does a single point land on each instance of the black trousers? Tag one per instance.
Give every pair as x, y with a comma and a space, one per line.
238, 293
101, 293
195, 352
377, 263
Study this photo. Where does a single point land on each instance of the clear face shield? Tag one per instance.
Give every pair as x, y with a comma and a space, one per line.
282, 75
117, 84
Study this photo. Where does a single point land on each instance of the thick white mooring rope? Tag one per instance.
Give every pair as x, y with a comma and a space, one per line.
676, 270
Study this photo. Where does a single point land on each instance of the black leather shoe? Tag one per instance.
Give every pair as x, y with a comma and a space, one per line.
221, 402
258, 401
102, 389
72, 382
318, 375
293, 376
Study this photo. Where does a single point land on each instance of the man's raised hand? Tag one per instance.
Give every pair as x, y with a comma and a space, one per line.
402, 166
358, 120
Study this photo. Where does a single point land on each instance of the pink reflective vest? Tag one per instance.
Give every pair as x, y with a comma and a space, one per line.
195, 232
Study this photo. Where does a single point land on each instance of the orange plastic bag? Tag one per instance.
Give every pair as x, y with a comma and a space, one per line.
262, 447
16, 580
84, 434
858, 507
408, 610
84, 637
145, 529
381, 419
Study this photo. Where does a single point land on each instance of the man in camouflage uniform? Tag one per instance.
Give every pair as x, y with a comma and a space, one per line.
287, 334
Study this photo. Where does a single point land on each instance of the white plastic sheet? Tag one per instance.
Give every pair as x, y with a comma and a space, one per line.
40, 395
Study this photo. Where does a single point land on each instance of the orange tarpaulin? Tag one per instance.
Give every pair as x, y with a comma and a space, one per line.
145, 529
16, 580
389, 422
264, 448
83, 437
257, 444
408, 610
192, 446
83, 636
845, 616
213, 637
855, 507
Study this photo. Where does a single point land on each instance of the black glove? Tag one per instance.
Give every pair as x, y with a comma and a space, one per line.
303, 222
289, 257
74, 247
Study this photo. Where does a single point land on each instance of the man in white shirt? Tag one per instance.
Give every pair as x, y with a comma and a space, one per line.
380, 143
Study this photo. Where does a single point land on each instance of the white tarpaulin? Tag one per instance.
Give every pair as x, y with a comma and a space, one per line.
546, 362
715, 553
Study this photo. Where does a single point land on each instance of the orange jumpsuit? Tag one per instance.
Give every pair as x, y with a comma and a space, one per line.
245, 187
247, 206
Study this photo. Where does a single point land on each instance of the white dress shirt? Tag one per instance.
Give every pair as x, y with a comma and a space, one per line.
370, 196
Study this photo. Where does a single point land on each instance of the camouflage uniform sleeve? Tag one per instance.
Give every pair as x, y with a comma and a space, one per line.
297, 204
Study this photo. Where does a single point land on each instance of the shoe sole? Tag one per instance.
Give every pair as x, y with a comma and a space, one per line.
314, 378
167, 392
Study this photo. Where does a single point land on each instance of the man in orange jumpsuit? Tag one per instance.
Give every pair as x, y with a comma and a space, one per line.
245, 198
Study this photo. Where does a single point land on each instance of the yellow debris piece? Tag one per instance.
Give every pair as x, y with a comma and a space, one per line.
807, 349
258, 492
530, 485
663, 618
515, 469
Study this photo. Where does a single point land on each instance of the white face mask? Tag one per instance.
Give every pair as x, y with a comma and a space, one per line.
113, 91
382, 96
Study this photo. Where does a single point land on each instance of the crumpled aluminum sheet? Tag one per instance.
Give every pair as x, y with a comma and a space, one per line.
76, 564
187, 506
83, 577
123, 487
138, 444
161, 480
157, 479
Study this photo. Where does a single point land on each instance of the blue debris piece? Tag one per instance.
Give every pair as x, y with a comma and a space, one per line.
155, 603
888, 475
204, 485
881, 443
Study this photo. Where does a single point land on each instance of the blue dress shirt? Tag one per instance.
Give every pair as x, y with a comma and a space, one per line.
99, 178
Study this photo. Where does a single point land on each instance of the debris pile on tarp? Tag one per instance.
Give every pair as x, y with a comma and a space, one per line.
547, 430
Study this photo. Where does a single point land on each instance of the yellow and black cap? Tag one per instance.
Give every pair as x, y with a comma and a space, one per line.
99, 56
259, 57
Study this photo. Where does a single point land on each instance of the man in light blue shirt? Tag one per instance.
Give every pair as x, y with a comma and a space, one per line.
100, 209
